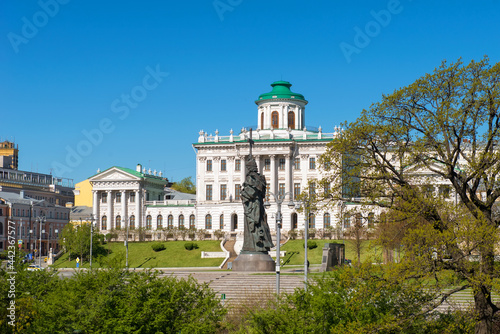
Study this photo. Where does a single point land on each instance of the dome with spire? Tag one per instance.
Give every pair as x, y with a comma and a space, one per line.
281, 90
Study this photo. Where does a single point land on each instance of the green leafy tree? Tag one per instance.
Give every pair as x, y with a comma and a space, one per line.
428, 155
186, 185
355, 300
110, 301
76, 241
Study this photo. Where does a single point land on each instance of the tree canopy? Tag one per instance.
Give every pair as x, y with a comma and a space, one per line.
427, 157
186, 185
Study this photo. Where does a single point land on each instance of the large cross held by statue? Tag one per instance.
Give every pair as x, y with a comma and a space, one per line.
250, 141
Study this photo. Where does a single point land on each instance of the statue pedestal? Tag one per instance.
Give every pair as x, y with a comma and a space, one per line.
254, 262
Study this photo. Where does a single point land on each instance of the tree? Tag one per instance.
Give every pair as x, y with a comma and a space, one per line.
428, 155
355, 300
76, 241
186, 185
109, 301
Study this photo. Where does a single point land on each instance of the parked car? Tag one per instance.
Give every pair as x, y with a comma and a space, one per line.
34, 267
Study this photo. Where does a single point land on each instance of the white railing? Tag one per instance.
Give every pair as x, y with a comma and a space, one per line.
172, 202
268, 135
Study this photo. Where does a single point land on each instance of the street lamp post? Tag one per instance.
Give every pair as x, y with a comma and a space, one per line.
306, 228
279, 200
126, 244
40, 220
30, 230
91, 237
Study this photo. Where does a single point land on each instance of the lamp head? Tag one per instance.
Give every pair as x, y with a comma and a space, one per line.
267, 204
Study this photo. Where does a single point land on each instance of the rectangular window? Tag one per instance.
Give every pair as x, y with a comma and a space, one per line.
312, 163
223, 192
281, 164
237, 165
237, 190
312, 188
209, 192
296, 190
326, 188
223, 165
118, 197
267, 164
132, 197
104, 197
444, 191
296, 163
281, 190
209, 165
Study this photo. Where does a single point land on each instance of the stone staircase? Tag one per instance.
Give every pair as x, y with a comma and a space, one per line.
242, 288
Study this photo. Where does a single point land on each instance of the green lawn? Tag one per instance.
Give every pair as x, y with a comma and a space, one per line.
369, 251
141, 255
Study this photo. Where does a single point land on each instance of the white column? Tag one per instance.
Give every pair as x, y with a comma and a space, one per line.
95, 206
109, 224
124, 208
274, 172
282, 116
288, 174
230, 179
243, 168
216, 187
304, 167
137, 208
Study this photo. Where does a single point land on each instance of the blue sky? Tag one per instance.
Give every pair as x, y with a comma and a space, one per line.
93, 84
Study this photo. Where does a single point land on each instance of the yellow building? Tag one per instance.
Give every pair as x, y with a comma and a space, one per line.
9, 155
83, 193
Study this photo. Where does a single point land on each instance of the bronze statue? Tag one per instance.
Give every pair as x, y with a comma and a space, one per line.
257, 236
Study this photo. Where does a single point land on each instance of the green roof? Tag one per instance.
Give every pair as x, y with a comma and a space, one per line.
133, 172
281, 90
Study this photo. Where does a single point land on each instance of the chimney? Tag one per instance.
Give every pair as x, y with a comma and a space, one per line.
138, 168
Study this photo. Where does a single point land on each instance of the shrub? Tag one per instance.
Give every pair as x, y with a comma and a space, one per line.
292, 234
158, 246
191, 245
311, 244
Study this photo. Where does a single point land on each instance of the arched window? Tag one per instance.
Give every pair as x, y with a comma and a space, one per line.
275, 120
294, 221
170, 222
347, 221
234, 222
104, 222
159, 222
181, 221
359, 220
192, 222
326, 220
148, 222
312, 220
132, 222
118, 222
221, 222
262, 120
208, 222
291, 120
371, 220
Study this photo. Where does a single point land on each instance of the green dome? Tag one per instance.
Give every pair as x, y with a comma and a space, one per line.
281, 90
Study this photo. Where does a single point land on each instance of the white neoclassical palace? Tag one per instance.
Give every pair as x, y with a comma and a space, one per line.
286, 152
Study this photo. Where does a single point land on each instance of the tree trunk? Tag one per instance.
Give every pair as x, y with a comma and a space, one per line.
482, 300
482, 296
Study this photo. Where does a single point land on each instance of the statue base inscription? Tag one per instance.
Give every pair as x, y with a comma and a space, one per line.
254, 262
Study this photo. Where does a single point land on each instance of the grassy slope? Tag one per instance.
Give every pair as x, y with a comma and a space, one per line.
315, 255
141, 255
